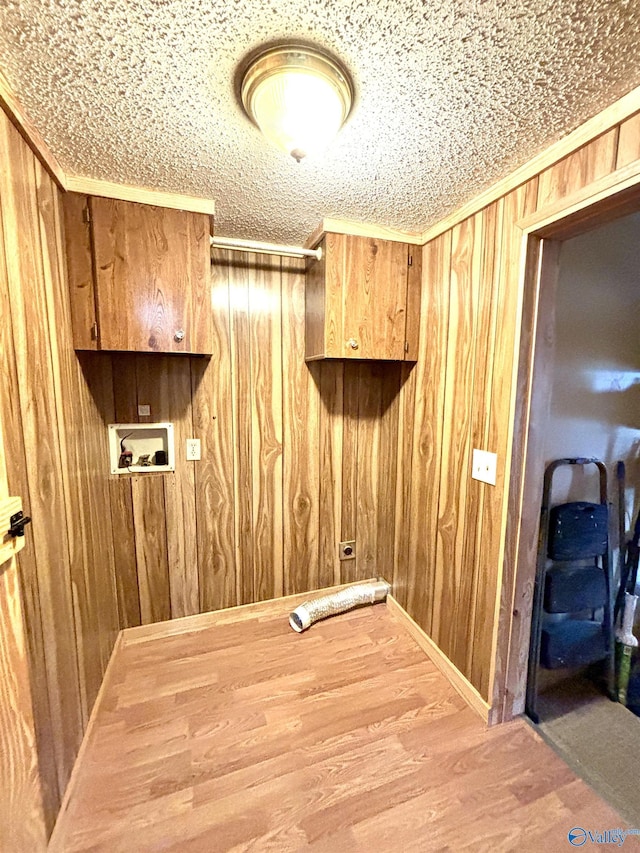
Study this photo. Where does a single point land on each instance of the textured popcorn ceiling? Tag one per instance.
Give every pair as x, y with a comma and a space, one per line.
451, 96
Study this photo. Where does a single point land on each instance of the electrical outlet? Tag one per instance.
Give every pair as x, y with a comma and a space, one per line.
193, 449
483, 466
347, 550
144, 410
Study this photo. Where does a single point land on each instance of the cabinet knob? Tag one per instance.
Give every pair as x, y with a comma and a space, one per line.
179, 335
353, 343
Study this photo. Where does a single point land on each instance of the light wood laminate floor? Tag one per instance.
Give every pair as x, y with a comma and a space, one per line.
248, 736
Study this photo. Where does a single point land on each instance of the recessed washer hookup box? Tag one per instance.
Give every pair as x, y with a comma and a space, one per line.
141, 448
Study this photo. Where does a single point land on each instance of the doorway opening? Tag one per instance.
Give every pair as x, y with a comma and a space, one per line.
583, 400
594, 408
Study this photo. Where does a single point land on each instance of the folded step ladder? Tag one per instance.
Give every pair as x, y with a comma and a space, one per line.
573, 584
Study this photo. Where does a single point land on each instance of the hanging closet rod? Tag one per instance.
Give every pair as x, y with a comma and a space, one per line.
264, 248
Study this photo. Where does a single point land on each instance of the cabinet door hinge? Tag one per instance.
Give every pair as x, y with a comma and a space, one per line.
94, 332
406, 346
410, 261
86, 215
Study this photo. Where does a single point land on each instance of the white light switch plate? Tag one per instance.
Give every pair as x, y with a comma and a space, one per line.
483, 466
193, 449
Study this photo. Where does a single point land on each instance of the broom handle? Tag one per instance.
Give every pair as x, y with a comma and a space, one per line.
622, 540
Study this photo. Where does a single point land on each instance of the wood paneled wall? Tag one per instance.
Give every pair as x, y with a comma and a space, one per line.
22, 826
54, 445
454, 570
295, 458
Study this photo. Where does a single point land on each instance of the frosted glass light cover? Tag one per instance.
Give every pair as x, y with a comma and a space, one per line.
299, 100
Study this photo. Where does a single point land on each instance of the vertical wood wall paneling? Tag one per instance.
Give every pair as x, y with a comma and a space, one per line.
453, 578
150, 534
375, 467
36, 397
387, 470
404, 481
480, 632
22, 822
164, 383
587, 164
366, 462
91, 393
240, 273
265, 307
349, 468
301, 438
528, 460
590, 162
125, 388
331, 385
406, 402
220, 581
124, 409
598, 158
150, 522
16, 464
243, 510
427, 425
507, 268
180, 495
126, 567
628, 142
72, 456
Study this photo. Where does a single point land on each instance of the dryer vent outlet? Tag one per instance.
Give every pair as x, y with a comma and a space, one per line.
338, 602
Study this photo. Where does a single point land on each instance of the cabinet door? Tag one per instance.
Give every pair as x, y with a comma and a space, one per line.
374, 298
152, 277
77, 243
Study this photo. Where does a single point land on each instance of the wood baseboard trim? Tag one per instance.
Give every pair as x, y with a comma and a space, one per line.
241, 613
448, 669
55, 840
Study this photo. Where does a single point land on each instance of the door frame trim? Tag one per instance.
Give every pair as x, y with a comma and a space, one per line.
605, 200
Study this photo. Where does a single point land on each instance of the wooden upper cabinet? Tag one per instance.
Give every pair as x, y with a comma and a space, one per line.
363, 300
139, 276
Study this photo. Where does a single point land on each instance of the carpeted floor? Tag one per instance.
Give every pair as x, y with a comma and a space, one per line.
599, 739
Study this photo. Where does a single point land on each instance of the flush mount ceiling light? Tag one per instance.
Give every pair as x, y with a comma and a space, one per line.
298, 96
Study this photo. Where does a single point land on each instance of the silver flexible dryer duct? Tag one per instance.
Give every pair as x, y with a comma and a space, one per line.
338, 602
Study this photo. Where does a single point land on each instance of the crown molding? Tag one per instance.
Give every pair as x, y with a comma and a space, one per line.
90, 186
143, 195
360, 229
608, 118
